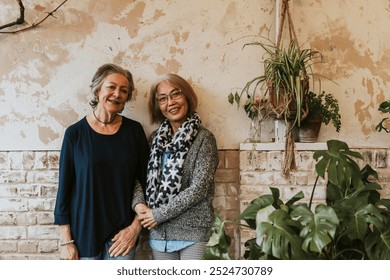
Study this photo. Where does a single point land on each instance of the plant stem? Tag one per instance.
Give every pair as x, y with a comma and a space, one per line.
312, 192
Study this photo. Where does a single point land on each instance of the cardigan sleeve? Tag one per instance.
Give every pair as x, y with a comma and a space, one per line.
66, 180
138, 196
143, 158
202, 176
140, 183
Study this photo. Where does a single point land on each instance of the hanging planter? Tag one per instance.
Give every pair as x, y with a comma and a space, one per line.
285, 81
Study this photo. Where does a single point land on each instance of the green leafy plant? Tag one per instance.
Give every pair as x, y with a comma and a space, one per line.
384, 107
325, 107
354, 223
285, 80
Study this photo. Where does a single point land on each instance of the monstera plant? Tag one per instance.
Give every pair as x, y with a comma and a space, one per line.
354, 223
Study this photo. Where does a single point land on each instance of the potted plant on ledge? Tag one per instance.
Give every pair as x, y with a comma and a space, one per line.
323, 108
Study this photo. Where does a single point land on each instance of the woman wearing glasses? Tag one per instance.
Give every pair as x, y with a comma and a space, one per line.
180, 177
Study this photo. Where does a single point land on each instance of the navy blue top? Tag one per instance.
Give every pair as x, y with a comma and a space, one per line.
96, 182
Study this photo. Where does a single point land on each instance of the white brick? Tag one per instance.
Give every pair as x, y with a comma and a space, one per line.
41, 204
305, 161
253, 178
7, 219
16, 160
12, 232
26, 218
4, 161
42, 176
251, 161
8, 191
40, 161
27, 246
53, 160
48, 246
17, 177
8, 246
28, 160
13, 204
45, 218
48, 190
28, 190
43, 232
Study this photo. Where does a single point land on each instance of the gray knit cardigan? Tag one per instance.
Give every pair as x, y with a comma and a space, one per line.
189, 215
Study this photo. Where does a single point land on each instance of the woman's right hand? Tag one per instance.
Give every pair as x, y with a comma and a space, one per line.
69, 252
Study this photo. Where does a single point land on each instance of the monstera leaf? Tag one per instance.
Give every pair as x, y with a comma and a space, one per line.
338, 162
356, 216
281, 237
377, 244
250, 213
253, 251
319, 228
217, 247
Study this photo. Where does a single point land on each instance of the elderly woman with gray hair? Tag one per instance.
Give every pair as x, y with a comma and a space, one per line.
102, 157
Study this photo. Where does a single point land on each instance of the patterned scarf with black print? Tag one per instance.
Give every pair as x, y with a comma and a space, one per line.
164, 182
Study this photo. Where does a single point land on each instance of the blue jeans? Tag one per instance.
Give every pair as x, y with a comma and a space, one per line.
105, 255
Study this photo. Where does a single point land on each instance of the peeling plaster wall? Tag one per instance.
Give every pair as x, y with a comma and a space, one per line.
45, 72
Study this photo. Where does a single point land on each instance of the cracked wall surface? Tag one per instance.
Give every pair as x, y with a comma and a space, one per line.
45, 72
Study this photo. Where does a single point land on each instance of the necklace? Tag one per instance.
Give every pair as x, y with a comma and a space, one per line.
102, 121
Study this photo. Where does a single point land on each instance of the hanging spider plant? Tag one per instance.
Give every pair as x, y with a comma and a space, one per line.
286, 75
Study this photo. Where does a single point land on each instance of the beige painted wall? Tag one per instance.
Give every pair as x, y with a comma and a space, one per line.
45, 72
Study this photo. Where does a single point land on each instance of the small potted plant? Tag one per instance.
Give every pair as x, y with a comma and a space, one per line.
322, 108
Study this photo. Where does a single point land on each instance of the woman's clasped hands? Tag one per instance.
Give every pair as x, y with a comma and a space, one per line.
145, 216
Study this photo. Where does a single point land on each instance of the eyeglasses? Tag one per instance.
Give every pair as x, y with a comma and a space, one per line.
174, 95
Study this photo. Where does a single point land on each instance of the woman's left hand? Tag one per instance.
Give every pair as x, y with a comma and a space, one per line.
147, 219
125, 239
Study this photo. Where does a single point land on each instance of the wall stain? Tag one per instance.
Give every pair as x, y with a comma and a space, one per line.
47, 134
65, 114
133, 20
171, 66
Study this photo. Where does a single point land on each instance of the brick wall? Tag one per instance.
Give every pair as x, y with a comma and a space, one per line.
28, 186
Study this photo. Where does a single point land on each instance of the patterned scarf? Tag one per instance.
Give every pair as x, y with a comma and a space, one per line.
164, 183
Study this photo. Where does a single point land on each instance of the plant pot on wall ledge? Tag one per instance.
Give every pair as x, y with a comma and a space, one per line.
309, 130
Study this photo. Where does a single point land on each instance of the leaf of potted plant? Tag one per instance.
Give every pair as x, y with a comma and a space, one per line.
323, 108
384, 107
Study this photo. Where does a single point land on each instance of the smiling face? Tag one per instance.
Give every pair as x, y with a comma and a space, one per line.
175, 111
113, 93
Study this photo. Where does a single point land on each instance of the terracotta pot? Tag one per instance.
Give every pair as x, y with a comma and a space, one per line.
309, 130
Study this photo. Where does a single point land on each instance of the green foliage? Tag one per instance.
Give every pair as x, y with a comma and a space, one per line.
353, 224
219, 242
324, 106
384, 107
286, 72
